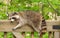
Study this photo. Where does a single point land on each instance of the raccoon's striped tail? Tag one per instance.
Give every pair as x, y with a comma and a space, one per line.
43, 27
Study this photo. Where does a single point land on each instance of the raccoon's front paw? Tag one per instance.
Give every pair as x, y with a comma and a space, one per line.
11, 21
13, 29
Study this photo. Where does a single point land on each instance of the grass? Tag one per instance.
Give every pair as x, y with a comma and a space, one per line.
27, 35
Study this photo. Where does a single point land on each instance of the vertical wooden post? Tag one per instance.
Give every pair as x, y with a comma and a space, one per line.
56, 35
17, 35
41, 35
59, 34
23, 34
32, 35
5, 34
50, 35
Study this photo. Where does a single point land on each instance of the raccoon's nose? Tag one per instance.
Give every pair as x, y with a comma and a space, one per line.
12, 20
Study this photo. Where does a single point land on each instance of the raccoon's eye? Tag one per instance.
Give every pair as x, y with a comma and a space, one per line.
13, 18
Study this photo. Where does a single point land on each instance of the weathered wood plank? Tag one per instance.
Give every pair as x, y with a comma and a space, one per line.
32, 35
50, 24
50, 35
5, 34
23, 34
17, 34
6, 26
56, 35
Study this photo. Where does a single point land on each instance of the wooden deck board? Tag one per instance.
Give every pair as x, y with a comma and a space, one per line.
6, 26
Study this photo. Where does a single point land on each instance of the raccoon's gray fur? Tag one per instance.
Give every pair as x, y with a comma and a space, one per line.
34, 19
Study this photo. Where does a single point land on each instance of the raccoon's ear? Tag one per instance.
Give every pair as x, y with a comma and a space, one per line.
21, 14
14, 12
7, 14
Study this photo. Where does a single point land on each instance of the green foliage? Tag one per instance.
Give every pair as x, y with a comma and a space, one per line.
45, 36
3, 16
9, 35
36, 35
27, 34
1, 35
20, 5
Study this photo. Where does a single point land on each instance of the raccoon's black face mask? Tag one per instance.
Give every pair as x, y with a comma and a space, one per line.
13, 17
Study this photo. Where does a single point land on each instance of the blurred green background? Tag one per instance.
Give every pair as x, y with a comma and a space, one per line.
47, 7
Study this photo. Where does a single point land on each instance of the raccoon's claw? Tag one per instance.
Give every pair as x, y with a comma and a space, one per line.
13, 29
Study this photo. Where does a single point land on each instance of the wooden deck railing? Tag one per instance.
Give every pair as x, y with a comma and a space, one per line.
6, 26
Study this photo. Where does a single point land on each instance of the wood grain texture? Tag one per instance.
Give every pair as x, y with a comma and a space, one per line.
6, 26
50, 24
56, 35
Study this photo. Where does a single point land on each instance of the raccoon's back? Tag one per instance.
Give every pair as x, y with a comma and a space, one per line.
33, 16
36, 18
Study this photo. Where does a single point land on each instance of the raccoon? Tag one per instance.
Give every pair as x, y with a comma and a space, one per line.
34, 19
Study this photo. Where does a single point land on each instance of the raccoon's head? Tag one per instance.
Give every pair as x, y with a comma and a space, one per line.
13, 16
